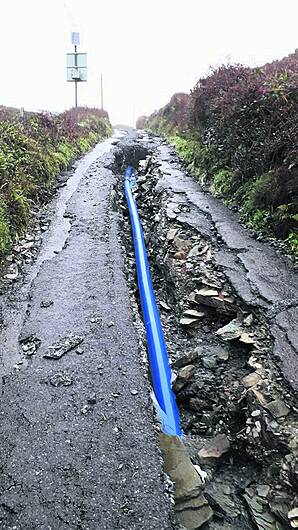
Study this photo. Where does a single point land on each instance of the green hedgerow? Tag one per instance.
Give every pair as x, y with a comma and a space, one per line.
292, 241
33, 150
4, 228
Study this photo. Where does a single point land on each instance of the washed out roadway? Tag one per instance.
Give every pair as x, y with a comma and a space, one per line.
83, 456
260, 277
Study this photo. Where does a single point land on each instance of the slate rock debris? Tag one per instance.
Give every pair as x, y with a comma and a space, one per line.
63, 346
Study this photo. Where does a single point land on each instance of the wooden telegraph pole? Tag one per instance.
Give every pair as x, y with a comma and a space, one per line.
101, 91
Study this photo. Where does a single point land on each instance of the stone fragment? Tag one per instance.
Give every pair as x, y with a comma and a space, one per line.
171, 234
211, 297
30, 345
204, 250
186, 358
213, 284
194, 252
179, 467
223, 355
46, 303
251, 379
293, 517
205, 292
180, 254
293, 514
164, 306
263, 490
230, 331
209, 362
196, 515
203, 475
63, 346
60, 379
196, 404
253, 363
257, 429
215, 448
193, 313
246, 338
182, 244
259, 397
28, 245
196, 502
278, 408
192, 297
191, 506
188, 321
248, 320
263, 519
12, 273
183, 377
222, 500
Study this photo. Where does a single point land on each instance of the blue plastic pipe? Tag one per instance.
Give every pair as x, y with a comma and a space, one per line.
158, 356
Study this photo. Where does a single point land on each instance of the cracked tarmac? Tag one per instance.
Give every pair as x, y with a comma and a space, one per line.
259, 276
79, 447
78, 444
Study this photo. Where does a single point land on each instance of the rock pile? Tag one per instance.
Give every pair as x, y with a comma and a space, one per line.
239, 418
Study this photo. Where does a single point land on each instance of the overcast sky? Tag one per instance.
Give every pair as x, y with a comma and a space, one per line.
146, 49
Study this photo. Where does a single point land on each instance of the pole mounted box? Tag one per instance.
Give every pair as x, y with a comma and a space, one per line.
76, 64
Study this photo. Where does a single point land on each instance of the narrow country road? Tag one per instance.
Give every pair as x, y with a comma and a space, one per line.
78, 447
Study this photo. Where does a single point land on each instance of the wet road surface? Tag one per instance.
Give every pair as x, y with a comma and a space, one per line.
78, 446
78, 443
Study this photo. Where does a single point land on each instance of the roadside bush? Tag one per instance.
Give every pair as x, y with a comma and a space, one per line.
293, 241
34, 148
222, 183
238, 132
171, 118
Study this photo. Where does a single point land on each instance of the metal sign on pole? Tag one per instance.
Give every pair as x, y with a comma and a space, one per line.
76, 65
75, 38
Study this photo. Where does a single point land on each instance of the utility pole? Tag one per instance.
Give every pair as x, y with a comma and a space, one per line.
76, 82
101, 91
76, 65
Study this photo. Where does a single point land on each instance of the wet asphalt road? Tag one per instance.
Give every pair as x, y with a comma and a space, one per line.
83, 456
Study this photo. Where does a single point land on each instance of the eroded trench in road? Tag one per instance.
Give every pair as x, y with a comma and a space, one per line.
237, 413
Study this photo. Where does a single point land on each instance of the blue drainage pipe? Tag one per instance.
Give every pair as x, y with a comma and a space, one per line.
158, 356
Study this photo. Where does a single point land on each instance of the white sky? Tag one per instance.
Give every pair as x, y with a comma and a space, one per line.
146, 49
